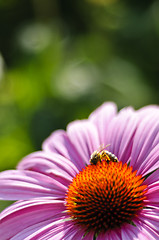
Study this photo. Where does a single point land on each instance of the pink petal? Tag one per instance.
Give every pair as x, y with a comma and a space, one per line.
152, 195
24, 214
125, 138
54, 230
59, 143
26, 234
79, 234
102, 117
147, 111
152, 179
150, 217
84, 137
57, 230
51, 164
23, 185
145, 231
69, 232
121, 133
146, 138
127, 234
150, 163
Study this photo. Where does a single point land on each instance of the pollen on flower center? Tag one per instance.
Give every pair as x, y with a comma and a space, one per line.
105, 195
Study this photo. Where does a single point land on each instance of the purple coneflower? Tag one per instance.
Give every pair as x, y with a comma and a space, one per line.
99, 179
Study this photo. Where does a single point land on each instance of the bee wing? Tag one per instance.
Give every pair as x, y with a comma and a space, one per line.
102, 147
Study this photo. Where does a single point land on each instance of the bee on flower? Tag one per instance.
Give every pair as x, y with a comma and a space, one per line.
101, 154
72, 190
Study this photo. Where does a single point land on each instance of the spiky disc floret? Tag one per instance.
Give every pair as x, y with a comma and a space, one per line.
105, 195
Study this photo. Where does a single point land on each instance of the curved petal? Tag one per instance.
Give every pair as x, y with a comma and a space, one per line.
150, 217
150, 110
145, 230
24, 185
24, 214
145, 140
51, 164
79, 234
152, 179
150, 163
51, 231
84, 136
121, 133
66, 231
152, 195
125, 138
60, 143
57, 229
129, 232
102, 117
26, 234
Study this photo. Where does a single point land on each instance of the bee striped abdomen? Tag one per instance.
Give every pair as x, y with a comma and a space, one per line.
112, 157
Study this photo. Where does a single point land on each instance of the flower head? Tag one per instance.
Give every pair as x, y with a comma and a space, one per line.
76, 189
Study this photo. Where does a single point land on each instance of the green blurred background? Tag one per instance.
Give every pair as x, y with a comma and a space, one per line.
60, 59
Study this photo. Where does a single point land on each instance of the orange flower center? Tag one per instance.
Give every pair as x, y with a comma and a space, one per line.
105, 195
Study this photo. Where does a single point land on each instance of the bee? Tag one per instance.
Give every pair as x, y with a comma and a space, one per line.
100, 155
